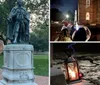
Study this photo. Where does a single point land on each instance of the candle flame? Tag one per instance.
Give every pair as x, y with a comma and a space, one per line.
72, 74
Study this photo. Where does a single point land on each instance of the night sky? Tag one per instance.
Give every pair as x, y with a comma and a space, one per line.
65, 5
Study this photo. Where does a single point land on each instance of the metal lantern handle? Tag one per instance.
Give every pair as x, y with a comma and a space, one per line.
70, 46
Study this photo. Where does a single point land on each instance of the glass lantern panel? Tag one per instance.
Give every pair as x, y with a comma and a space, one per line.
73, 71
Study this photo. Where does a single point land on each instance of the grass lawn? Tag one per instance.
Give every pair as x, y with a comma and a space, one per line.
1, 61
41, 64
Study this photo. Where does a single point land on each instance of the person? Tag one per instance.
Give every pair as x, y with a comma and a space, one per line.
18, 24
65, 33
81, 34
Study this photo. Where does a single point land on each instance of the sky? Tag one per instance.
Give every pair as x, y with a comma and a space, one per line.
65, 5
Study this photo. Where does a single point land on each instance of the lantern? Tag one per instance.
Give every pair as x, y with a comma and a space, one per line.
71, 70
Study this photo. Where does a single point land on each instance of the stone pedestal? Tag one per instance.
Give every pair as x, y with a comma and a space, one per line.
18, 65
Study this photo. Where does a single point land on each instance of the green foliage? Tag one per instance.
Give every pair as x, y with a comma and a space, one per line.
41, 65
5, 8
1, 61
39, 38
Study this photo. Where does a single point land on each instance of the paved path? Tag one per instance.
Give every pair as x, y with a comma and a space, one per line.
40, 80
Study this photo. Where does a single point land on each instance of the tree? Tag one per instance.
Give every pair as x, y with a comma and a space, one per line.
39, 38
40, 18
56, 15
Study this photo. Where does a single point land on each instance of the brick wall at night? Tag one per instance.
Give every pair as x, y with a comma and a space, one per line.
94, 11
98, 14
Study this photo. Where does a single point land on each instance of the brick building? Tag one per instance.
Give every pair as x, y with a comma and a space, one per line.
89, 11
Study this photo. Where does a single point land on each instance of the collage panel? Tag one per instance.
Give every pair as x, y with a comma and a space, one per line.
75, 64
49, 42
75, 20
24, 42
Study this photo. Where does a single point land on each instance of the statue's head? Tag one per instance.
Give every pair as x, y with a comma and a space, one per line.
19, 3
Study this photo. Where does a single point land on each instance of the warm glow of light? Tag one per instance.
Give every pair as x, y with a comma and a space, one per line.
72, 74
67, 16
56, 22
87, 16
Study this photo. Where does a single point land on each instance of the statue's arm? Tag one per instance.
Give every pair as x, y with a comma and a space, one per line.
27, 16
12, 14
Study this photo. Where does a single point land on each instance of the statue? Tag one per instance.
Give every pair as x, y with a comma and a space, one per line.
18, 24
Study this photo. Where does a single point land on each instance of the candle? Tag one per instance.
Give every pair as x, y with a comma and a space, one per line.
72, 74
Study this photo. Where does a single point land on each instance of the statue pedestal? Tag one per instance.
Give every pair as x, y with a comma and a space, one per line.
18, 65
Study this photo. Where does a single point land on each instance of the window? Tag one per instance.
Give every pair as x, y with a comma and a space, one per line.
87, 16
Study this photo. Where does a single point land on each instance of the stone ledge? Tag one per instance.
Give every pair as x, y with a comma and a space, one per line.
18, 47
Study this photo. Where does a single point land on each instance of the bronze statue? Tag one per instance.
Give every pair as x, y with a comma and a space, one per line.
18, 24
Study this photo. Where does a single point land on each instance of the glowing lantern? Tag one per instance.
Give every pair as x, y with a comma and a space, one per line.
71, 70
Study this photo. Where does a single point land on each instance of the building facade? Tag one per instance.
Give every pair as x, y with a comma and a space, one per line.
89, 11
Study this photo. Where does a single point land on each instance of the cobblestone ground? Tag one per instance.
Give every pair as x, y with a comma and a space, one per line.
40, 80
89, 66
